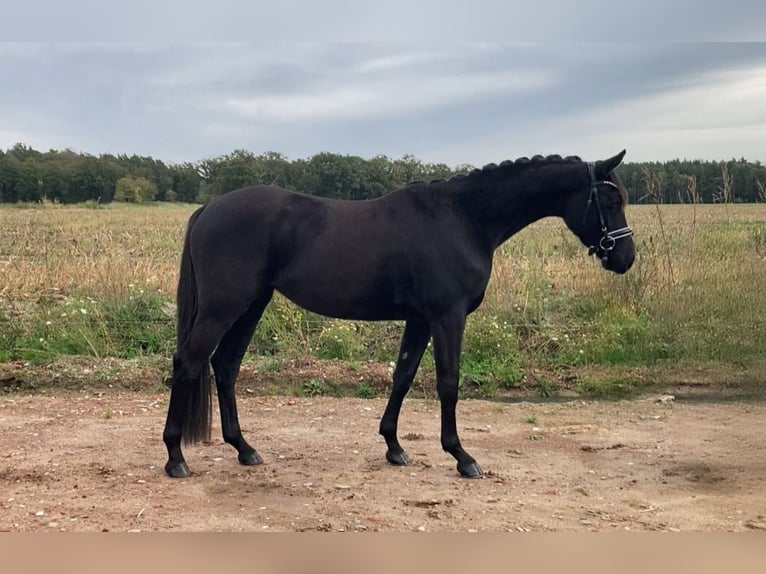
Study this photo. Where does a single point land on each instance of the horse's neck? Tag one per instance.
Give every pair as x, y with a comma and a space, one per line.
511, 203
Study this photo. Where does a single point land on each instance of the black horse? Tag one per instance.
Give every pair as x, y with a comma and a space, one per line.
421, 254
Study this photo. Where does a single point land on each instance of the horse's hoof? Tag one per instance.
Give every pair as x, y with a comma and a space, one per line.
177, 470
472, 470
249, 458
398, 458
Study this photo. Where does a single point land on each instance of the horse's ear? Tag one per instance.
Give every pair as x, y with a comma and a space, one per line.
605, 167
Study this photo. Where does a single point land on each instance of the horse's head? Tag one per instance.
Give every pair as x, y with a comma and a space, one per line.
596, 214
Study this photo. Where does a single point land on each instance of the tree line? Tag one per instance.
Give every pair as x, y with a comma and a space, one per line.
28, 175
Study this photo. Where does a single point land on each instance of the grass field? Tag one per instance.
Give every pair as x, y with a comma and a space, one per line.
101, 283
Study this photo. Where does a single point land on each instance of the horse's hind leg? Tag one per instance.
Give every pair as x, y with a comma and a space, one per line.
414, 343
189, 409
226, 362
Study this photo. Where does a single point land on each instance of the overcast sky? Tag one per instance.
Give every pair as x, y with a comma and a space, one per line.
455, 103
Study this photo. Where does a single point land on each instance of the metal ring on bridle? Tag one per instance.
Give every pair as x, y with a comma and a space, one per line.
610, 245
612, 236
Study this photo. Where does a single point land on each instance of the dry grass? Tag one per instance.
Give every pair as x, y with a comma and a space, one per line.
547, 301
90, 252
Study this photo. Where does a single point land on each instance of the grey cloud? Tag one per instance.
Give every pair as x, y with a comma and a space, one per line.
470, 102
394, 20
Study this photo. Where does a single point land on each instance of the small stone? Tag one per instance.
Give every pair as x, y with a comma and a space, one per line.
40, 513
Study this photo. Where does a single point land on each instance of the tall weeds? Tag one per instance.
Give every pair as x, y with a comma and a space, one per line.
654, 191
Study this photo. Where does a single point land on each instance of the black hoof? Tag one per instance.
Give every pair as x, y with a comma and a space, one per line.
177, 470
398, 458
249, 458
472, 470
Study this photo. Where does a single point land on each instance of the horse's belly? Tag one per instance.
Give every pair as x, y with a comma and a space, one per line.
344, 298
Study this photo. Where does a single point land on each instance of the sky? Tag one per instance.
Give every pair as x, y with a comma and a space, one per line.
469, 102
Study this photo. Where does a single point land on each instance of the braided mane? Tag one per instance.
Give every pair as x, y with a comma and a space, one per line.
518, 164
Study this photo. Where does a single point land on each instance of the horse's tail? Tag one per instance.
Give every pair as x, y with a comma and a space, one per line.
198, 401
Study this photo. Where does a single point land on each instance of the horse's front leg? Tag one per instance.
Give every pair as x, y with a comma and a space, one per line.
448, 337
414, 343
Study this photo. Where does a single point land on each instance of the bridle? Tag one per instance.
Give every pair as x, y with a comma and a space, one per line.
608, 238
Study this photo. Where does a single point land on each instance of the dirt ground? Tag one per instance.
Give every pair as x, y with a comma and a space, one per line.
85, 461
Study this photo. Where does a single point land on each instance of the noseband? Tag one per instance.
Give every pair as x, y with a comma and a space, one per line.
608, 238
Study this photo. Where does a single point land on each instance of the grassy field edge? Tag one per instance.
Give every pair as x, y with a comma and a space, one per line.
309, 376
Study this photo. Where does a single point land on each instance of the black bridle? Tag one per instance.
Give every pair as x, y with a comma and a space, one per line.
608, 238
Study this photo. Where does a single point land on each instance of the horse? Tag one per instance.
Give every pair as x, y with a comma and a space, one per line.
421, 254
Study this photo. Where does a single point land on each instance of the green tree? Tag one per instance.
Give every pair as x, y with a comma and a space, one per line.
68, 176
186, 182
272, 168
134, 190
229, 172
19, 178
